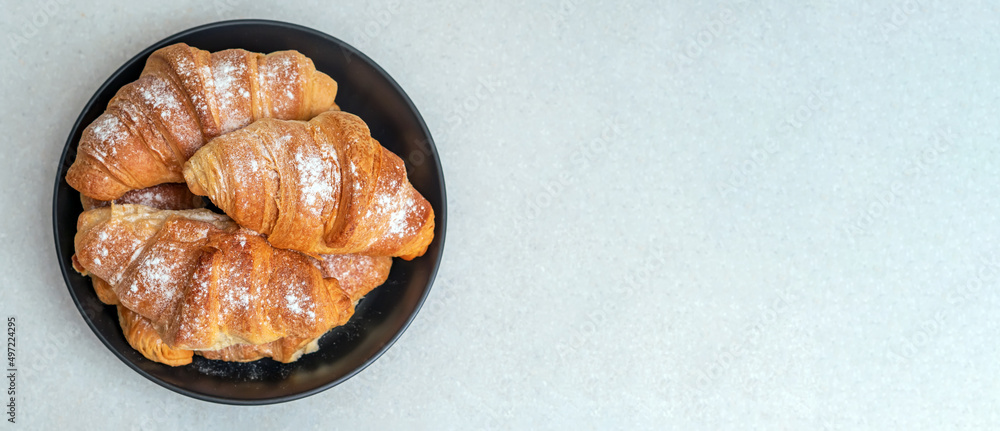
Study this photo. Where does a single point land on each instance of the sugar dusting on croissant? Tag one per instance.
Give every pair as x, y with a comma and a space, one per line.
184, 97
357, 275
320, 187
204, 284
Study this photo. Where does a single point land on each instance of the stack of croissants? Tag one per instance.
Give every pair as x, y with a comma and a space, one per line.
314, 207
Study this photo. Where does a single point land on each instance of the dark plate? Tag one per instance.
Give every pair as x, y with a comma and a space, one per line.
365, 90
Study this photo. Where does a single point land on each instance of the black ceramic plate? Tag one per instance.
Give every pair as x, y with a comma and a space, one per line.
365, 90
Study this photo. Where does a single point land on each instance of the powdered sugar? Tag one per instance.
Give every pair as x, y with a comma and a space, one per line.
280, 75
240, 371
394, 209
238, 290
280, 67
292, 303
397, 223
162, 98
297, 305
194, 321
204, 215
149, 197
155, 283
107, 127
157, 274
208, 87
354, 177
355, 273
231, 93
116, 276
317, 176
235, 297
156, 93
108, 132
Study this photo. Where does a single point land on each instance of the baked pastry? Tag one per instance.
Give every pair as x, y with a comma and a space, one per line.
356, 274
202, 282
320, 187
184, 97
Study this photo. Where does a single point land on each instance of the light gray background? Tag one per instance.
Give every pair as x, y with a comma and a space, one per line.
739, 214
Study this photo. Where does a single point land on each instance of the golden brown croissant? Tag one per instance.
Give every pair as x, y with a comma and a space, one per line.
320, 187
183, 98
203, 283
357, 275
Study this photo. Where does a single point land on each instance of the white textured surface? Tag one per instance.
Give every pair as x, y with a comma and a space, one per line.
790, 223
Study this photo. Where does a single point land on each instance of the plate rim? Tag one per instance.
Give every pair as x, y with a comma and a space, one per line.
440, 216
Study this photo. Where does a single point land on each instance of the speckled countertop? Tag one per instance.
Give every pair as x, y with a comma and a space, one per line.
737, 214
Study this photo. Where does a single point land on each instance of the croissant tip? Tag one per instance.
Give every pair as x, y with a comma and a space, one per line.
77, 266
193, 180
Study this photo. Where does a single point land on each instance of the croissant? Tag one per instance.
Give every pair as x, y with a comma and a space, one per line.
203, 283
357, 275
183, 98
320, 187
